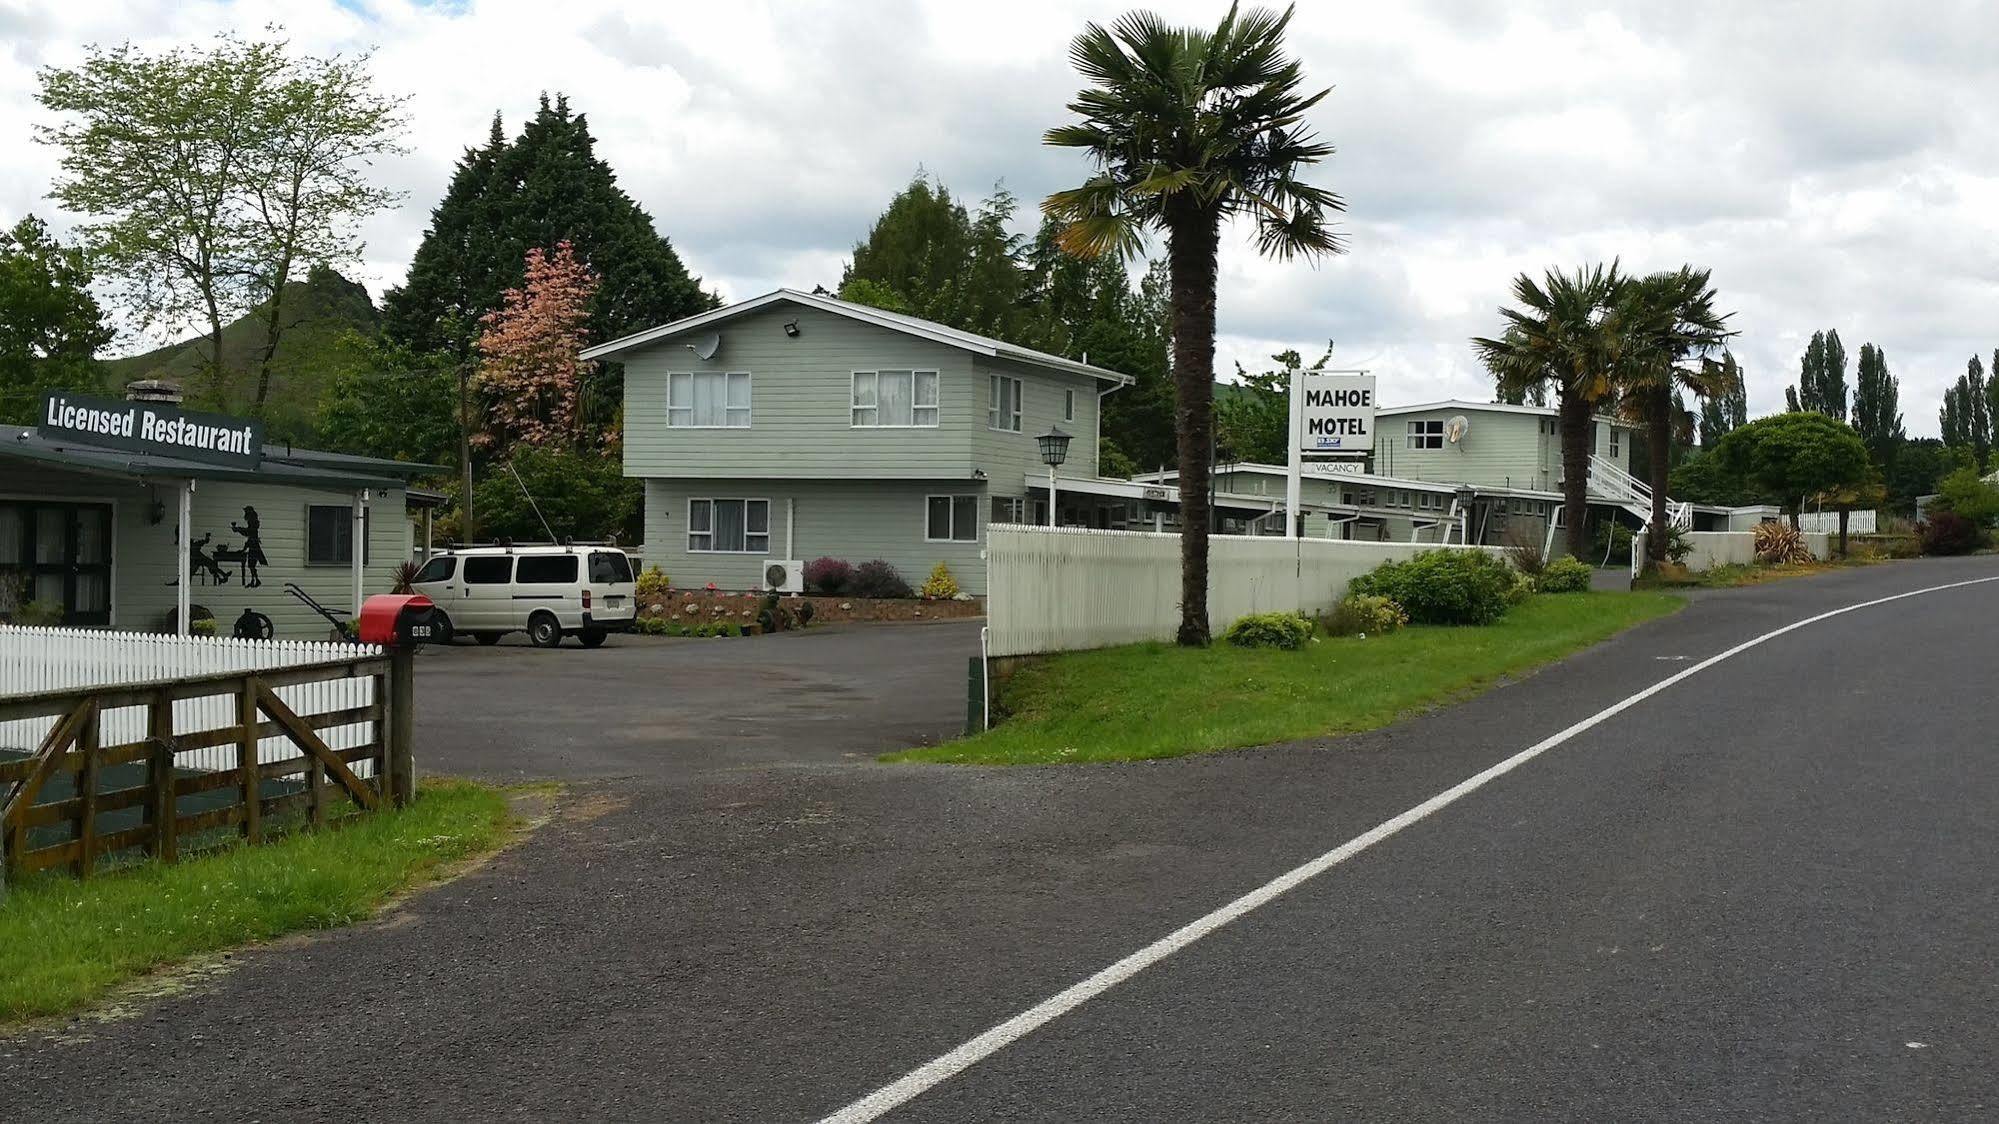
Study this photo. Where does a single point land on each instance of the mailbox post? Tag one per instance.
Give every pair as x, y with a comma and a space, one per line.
400, 622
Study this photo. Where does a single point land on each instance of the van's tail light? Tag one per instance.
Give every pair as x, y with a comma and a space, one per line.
586, 599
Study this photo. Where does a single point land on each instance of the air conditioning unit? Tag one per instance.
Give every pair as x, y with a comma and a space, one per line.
784, 576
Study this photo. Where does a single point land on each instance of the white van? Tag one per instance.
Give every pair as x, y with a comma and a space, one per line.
548, 592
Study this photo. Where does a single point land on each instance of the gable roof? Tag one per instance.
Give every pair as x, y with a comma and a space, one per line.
1491, 407
893, 321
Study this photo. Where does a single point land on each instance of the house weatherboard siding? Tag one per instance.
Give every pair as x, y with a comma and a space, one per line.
144, 552
855, 492
855, 520
1506, 447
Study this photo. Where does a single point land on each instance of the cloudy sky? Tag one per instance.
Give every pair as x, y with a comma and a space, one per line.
1835, 162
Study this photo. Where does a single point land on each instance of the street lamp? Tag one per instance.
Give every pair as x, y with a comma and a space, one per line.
1054, 450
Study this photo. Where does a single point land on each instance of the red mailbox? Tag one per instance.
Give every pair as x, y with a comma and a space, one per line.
398, 619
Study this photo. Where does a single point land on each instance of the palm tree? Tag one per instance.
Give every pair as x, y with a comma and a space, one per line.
1564, 333
1670, 328
1189, 128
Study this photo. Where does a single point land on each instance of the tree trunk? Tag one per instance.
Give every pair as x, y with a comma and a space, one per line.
465, 524
1843, 509
1659, 439
272, 330
1193, 239
1575, 421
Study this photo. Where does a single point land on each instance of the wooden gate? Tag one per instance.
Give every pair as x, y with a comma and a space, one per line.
174, 803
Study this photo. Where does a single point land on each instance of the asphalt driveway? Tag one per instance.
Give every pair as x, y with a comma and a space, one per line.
669, 709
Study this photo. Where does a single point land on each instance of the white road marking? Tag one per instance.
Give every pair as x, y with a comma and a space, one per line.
946, 1066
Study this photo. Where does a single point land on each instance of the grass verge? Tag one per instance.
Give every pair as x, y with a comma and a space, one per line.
1735, 575
65, 943
1155, 700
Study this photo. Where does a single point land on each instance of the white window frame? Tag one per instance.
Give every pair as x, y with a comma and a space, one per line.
748, 534
1069, 404
917, 410
675, 378
1424, 434
954, 497
996, 403
1014, 507
1613, 441
346, 519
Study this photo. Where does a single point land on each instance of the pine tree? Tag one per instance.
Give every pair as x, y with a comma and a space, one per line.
545, 187
1877, 405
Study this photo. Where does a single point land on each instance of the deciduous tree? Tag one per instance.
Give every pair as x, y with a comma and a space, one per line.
529, 371
1796, 455
212, 177
50, 326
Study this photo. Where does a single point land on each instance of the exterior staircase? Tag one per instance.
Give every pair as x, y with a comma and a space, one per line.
1634, 495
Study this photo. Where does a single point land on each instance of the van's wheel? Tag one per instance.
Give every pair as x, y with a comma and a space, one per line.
592, 638
544, 631
488, 639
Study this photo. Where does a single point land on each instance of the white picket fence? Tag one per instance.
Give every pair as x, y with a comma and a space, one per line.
1827, 522
38, 660
1053, 589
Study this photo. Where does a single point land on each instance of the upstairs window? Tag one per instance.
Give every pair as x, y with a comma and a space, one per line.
708, 400
1425, 435
895, 399
1003, 406
1068, 405
1613, 442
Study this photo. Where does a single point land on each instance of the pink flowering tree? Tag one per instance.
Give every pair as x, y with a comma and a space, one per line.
528, 365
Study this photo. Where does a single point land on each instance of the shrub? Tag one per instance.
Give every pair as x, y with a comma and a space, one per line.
1678, 545
1523, 588
43, 613
1287, 631
1613, 541
878, 579
203, 627
653, 584
942, 586
830, 576
1443, 586
1565, 575
1964, 493
1947, 532
1523, 549
1780, 544
1360, 614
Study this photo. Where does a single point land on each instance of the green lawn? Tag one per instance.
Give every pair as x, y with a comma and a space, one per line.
1155, 700
64, 943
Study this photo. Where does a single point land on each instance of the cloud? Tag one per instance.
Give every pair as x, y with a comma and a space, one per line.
1836, 167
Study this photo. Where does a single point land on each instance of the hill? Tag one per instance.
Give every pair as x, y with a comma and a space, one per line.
320, 312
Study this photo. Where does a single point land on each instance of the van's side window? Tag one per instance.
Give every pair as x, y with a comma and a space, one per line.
609, 567
546, 569
436, 570
488, 569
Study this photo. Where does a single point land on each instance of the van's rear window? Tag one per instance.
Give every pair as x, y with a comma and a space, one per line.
545, 569
610, 566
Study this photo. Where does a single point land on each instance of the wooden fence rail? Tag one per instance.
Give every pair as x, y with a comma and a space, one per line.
141, 794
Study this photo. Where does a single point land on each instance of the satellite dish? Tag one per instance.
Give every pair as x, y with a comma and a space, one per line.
1456, 428
706, 346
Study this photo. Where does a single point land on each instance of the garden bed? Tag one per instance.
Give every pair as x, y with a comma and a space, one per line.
693, 608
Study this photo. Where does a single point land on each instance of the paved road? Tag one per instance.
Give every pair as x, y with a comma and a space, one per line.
668, 709
1743, 898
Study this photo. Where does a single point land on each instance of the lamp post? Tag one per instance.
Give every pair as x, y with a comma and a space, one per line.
1054, 450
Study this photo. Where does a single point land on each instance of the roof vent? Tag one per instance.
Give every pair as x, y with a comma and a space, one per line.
153, 390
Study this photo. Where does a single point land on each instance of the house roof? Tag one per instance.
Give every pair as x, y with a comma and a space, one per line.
893, 321
1489, 407
304, 468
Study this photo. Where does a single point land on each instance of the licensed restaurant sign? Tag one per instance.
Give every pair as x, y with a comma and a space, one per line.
153, 428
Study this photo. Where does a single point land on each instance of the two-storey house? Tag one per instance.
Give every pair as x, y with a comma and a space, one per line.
797, 426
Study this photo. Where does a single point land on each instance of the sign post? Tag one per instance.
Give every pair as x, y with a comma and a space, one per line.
1332, 413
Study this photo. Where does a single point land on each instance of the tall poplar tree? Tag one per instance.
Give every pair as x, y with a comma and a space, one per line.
1727, 407
1821, 386
1877, 405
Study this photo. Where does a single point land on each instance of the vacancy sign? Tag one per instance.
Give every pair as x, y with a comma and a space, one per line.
1337, 414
